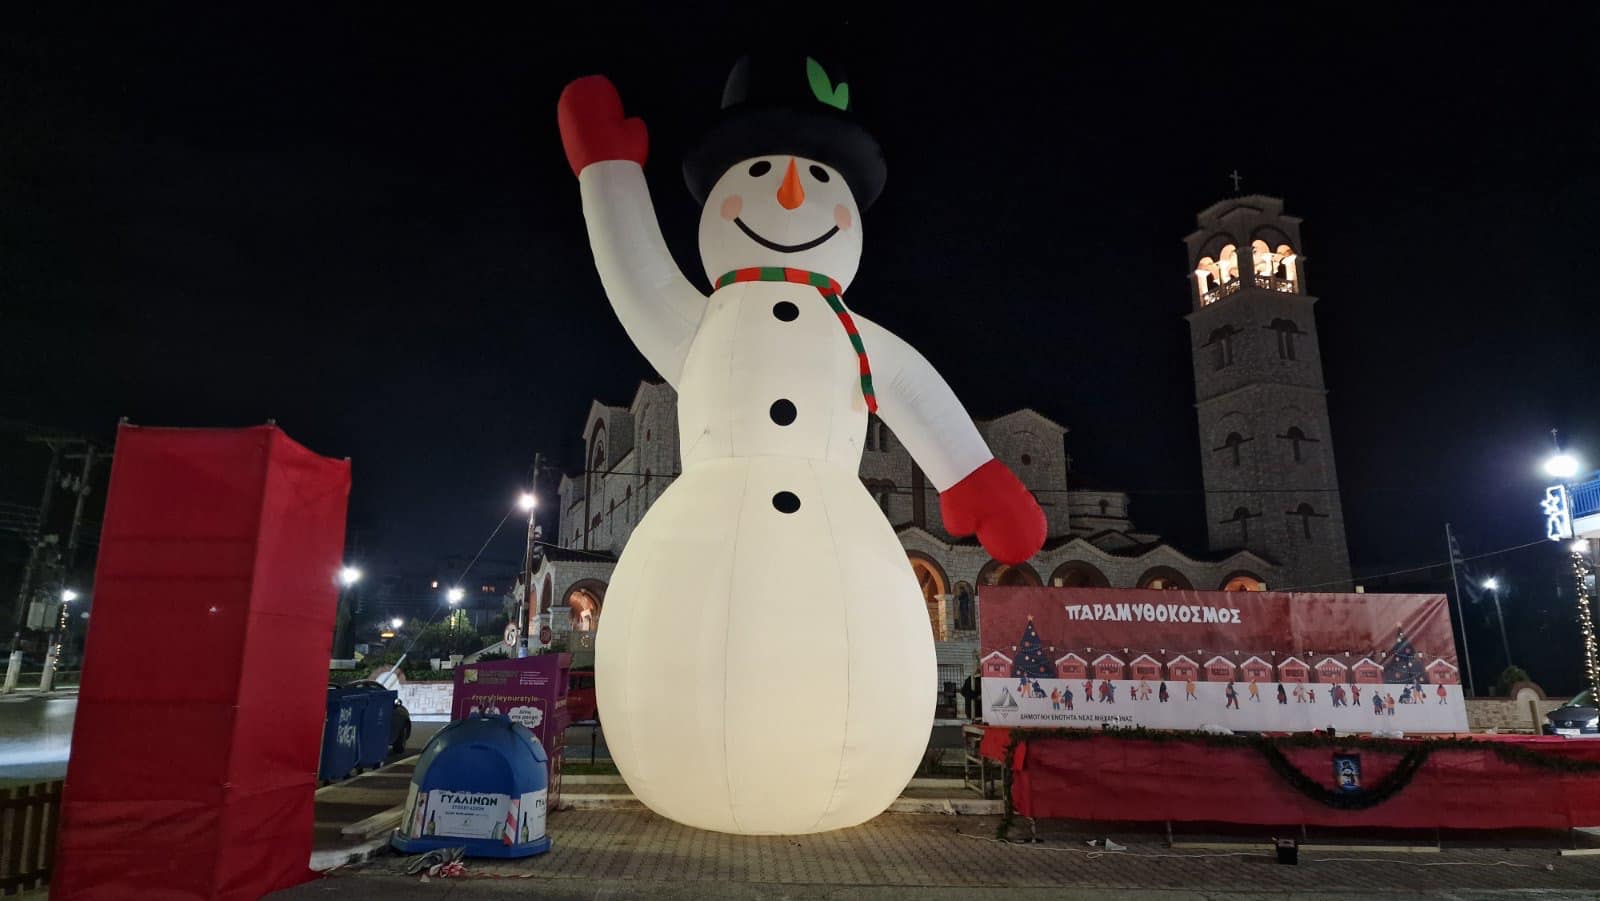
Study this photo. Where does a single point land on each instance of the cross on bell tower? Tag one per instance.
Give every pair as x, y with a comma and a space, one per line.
1265, 439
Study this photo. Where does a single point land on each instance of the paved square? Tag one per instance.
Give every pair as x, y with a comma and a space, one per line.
628, 853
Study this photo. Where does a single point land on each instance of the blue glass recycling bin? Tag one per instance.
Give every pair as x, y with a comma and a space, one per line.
375, 726
480, 785
341, 733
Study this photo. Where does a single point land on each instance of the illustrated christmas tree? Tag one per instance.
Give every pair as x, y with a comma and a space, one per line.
1403, 664
1030, 660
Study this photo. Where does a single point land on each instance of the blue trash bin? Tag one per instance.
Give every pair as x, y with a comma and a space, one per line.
341, 733
481, 784
376, 721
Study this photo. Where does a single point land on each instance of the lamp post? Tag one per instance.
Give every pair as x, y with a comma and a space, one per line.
453, 597
528, 503
1564, 466
344, 618
1493, 586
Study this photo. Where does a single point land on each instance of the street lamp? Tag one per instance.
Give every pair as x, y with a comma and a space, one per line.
1493, 586
528, 502
349, 575
68, 595
1562, 465
396, 623
455, 595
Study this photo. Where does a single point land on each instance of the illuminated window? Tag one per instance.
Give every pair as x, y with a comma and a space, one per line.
1227, 264
1244, 582
1207, 274
1272, 263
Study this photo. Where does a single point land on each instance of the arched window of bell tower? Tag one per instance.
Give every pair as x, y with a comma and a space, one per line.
1207, 276
1274, 268
1284, 259
1227, 264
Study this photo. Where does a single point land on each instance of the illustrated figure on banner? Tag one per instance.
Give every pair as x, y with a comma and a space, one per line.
767, 555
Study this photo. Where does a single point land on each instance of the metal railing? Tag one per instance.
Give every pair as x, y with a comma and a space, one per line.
1585, 498
1267, 282
29, 815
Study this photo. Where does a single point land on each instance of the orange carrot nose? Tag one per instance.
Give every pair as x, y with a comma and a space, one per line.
790, 194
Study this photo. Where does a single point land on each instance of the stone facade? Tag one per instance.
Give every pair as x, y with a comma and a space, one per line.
1092, 540
1266, 444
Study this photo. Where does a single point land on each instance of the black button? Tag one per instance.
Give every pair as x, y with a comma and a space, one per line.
785, 311
786, 502
782, 411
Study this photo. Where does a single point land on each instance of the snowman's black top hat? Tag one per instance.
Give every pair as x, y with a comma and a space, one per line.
787, 104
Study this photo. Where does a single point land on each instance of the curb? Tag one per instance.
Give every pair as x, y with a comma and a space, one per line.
333, 858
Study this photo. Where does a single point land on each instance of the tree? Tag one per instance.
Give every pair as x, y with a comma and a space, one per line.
1511, 676
440, 640
1030, 660
1403, 664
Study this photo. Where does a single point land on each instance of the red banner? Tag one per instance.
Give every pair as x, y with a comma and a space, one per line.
1258, 661
1117, 778
194, 751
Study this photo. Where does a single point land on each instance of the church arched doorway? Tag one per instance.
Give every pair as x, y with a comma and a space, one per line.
1243, 581
1008, 574
935, 588
1165, 578
1078, 574
584, 601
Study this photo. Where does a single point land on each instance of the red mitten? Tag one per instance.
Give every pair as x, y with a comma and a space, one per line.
993, 502
593, 129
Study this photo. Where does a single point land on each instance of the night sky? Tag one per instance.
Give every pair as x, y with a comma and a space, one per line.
359, 222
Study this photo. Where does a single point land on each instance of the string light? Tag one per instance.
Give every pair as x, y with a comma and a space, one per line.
1582, 572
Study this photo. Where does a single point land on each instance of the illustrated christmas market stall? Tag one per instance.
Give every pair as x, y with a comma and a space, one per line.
1299, 683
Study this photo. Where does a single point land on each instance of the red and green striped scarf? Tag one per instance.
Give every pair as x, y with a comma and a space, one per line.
829, 289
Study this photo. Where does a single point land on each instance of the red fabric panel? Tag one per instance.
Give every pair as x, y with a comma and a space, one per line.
199, 719
1106, 778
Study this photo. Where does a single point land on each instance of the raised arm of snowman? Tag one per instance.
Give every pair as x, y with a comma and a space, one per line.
783, 178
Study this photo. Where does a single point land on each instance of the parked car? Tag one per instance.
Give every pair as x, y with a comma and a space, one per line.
399, 723
581, 705
1578, 718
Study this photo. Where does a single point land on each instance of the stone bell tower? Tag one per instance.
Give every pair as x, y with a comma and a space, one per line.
1265, 443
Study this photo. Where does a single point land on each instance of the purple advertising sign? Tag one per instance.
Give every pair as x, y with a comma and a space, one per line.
532, 691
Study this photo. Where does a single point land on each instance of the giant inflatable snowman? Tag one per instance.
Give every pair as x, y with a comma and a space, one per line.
766, 664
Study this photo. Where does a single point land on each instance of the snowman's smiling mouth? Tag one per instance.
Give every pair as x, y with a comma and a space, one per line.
784, 248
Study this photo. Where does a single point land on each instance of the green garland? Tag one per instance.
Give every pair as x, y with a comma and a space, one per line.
1413, 755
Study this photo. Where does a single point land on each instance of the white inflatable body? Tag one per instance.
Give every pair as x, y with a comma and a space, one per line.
765, 664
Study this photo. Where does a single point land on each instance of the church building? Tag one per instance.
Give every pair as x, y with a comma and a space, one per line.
1273, 512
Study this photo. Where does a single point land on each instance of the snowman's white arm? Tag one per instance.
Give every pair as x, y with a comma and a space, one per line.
917, 403
659, 308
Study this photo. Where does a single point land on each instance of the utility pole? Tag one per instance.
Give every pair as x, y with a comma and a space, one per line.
84, 481
1466, 650
25, 594
1505, 643
525, 605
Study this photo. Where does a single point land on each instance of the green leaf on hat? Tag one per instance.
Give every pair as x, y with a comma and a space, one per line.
823, 88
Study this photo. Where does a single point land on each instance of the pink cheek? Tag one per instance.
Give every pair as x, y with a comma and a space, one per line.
842, 218
732, 206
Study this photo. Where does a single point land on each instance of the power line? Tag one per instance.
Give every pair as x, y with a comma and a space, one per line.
1416, 569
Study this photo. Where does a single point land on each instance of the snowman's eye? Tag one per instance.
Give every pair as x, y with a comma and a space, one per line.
819, 173
760, 168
